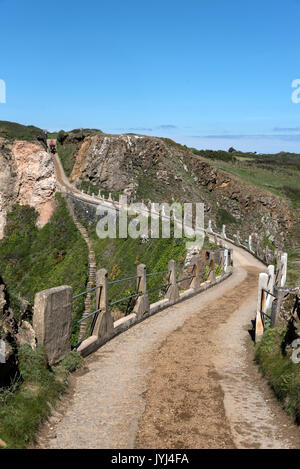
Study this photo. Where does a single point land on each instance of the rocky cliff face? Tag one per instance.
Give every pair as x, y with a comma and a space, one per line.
162, 171
13, 334
27, 177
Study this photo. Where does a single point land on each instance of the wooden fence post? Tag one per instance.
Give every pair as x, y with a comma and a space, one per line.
104, 325
172, 292
142, 306
196, 281
261, 306
212, 274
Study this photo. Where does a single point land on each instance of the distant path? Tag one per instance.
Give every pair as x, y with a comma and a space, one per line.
179, 379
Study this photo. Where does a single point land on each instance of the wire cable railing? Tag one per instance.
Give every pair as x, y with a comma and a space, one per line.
141, 291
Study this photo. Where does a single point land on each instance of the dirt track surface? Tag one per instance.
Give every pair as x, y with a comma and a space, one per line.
184, 398
183, 378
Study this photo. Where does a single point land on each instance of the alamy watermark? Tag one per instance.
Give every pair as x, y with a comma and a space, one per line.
138, 220
2, 91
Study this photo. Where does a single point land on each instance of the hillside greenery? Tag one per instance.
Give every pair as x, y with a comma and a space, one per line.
33, 394
120, 257
281, 373
34, 259
14, 131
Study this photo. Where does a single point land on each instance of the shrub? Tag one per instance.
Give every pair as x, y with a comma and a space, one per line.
282, 374
72, 361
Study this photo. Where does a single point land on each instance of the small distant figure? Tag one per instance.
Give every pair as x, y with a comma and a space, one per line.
52, 147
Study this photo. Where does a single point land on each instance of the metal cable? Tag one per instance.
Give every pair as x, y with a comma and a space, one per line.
84, 293
157, 288
86, 317
126, 298
187, 278
157, 273
122, 280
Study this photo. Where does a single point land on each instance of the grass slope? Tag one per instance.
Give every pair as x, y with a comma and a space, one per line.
29, 400
14, 131
33, 259
282, 374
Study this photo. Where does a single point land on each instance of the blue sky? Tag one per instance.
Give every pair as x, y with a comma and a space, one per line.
209, 74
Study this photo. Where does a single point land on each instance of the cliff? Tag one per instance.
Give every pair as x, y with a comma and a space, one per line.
160, 170
26, 177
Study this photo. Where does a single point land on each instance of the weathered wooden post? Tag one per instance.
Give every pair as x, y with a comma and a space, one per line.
212, 274
52, 321
172, 293
196, 281
270, 286
229, 260
222, 260
209, 228
284, 259
225, 268
223, 234
278, 274
250, 243
142, 306
104, 325
261, 306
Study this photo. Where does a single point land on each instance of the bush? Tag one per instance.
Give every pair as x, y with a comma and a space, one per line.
61, 136
72, 361
282, 374
224, 218
28, 402
32, 364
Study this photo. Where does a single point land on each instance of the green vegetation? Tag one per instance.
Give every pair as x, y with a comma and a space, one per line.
72, 361
68, 143
282, 374
33, 259
14, 131
30, 398
215, 155
224, 218
67, 154
52, 134
120, 256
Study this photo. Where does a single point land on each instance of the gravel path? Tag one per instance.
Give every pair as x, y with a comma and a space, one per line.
122, 402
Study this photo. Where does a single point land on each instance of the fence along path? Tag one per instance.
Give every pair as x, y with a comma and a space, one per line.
108, 404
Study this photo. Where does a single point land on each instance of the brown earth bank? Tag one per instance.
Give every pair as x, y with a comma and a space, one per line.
184, 397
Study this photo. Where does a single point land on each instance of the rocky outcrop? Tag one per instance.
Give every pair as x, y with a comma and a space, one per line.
115, 161
160, 170
13, 334
249, 205
26, 177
